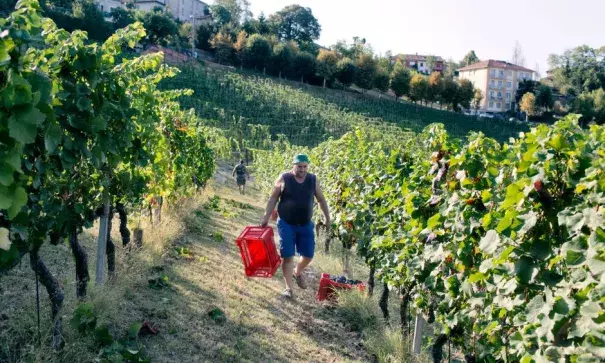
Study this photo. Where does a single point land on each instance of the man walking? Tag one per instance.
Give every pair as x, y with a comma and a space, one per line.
296, 191
241, 172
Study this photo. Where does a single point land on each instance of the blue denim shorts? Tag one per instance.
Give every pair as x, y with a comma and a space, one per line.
296, 239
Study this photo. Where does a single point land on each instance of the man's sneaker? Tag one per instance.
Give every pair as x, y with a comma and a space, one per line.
300, 281
287, 294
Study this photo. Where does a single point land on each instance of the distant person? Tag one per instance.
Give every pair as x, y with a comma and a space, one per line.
240, 172
296, 190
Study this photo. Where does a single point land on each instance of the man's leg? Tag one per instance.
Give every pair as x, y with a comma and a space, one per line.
286, 250
305, 245
288, 269
300, 266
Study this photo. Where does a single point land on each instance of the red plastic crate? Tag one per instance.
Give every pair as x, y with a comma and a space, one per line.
328, 287
258, 251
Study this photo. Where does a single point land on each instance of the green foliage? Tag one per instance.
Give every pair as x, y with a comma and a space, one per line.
365, 72
525, 86
281, 58
297, 23
257, 52
223, 48
238, 10
465, 95
161, 28
303, 65
591, 106
327, 62
528, 104
545, 98
121, 17
581, 69
220, 15
503, 243
345, 71
381, 80
70, 109
400, 80
203, 34
418, 87
469, 59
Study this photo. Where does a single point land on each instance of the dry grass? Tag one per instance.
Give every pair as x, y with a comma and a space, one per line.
259, 327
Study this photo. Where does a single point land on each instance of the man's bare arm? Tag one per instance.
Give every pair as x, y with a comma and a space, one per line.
233, 173
277, 188
323, 204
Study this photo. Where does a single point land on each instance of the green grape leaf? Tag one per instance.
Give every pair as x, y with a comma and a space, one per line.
6, 197
52, 138
19, 200
6, 174
23, 124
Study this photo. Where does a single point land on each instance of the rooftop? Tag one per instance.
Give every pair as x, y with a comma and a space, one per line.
495, 64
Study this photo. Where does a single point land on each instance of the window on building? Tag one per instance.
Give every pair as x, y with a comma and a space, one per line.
501, 73
492, 83
492, 73
491, 95
509, 84
499, 105
491, 104
508, 96
421, 64
499, 94
499, 84
507, 106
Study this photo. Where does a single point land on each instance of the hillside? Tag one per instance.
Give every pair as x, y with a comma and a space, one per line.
308, 114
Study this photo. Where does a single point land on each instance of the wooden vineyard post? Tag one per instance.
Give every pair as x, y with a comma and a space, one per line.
418, 326
102, 244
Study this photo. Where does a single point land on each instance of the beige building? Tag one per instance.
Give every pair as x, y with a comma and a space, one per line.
184, 10
498, 80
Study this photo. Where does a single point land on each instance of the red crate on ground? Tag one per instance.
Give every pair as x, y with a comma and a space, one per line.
327, 287
258, 251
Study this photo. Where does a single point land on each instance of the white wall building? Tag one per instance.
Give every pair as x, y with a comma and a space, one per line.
498, 81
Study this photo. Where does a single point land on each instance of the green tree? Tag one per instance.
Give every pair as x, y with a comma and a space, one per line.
591, 105
297, 23
345, 71
469, 59
257, 52
121, 17
239, 9
418, 87
449, 93
525, 86
326, 64
435, 87
366, 71
220, 15
92, 19
161, 28
545, 98
203, 35
381, 80
465, 94
528, 105
281, 59
581, 69
223, 48
303, 65
400, 80
477, 99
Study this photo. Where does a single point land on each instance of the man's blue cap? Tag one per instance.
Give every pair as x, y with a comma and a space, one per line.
300, 158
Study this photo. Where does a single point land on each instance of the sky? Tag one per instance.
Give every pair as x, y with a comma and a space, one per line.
450, 28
